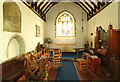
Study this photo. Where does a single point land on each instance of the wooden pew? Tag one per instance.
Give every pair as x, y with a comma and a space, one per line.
42, 62
12, 69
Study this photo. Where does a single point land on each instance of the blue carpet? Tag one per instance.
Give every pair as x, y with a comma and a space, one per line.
69, 54
67, 71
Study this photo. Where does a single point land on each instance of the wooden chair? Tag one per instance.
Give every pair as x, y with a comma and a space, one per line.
57, 57
83, 61
38, 55
44, 52
43, 63
33, 56
32, 52
31, 67
48, 53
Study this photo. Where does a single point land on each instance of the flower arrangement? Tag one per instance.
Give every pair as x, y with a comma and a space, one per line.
48, 40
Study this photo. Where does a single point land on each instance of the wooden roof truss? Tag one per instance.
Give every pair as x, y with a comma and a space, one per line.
91, 7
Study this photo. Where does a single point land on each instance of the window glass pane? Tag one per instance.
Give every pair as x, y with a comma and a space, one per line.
65, 26
66, 18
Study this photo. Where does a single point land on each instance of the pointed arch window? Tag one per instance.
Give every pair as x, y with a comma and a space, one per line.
65, 25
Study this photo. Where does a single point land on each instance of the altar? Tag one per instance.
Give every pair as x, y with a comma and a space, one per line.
66, 47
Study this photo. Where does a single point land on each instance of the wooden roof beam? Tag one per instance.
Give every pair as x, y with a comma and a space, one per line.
99, 4
95, 6
54, 3
32, 4
40, 5
81, 6
92, 10
85, 7
88, 4
44, 14
35, 6
103, 2
47, 7
41, 13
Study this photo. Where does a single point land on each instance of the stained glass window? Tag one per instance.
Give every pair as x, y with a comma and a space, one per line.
65, 25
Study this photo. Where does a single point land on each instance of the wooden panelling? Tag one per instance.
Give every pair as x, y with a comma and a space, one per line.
12, 69
95, 64
114, 69
0, 72
97, 40
113, 43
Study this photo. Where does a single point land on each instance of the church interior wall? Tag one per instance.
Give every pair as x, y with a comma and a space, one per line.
104, 18
1, 27
28, 30
76, 11
119, 14
47, 29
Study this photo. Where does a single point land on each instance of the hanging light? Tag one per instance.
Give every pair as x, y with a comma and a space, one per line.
82, 22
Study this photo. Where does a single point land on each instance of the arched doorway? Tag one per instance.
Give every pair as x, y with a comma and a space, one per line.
16, 46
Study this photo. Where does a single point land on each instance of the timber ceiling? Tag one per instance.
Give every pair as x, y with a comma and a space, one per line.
91, 7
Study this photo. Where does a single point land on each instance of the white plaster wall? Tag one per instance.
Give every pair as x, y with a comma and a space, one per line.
28, 30
76, 11
104, 18
1, 25
119, 15
13, 49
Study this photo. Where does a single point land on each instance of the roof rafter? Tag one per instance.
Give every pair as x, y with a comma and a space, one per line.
41, 7
54, 3
95, 6
85, 6
88, 4
47, 7
81, 6
103, 2
92, 10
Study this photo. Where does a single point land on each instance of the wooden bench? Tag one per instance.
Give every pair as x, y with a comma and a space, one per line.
12, 69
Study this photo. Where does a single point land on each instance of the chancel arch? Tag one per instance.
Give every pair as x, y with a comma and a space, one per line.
16, 46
